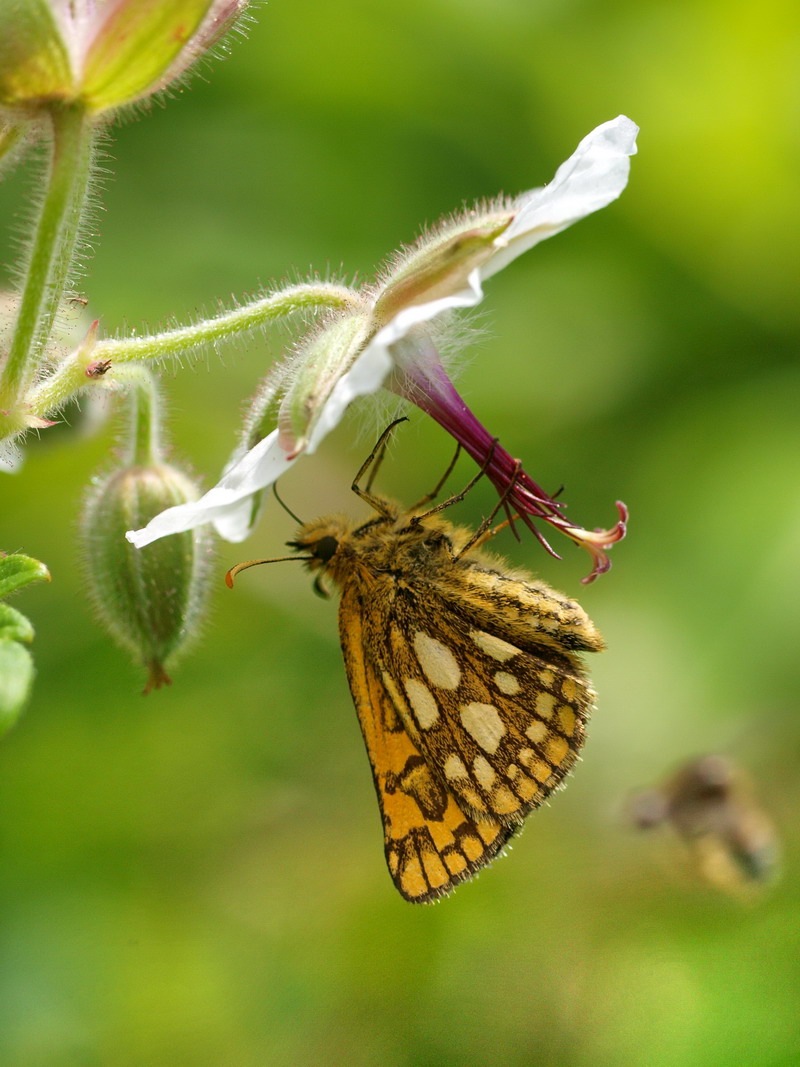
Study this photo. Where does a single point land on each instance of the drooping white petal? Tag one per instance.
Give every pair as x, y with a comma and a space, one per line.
593, 176
372, 366
229, 504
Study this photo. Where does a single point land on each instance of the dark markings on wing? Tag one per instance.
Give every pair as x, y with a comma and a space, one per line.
499, 753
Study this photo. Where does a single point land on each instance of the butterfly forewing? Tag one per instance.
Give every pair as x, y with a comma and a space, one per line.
432, 843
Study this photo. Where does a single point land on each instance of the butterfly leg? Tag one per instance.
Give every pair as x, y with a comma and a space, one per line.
458, 497
374, 460
438, 487
485, 532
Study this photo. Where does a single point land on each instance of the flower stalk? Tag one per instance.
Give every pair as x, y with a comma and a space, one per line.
72, 374
52, 251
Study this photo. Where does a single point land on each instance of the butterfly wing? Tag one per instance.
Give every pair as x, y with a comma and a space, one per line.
498, 720
432, 841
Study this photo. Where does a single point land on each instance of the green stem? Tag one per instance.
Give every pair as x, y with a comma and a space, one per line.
227, 325
52, 250
145, 443
71, 374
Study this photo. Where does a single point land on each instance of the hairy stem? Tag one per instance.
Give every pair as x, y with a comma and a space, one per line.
145, 437
229, 324
52, 249
72, 373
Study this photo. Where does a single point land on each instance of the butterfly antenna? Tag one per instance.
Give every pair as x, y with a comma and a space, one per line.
285, 506
257, 563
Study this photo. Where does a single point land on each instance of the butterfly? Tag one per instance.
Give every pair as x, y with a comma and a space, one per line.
465, 676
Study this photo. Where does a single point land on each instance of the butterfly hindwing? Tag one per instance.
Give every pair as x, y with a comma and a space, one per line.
498, 725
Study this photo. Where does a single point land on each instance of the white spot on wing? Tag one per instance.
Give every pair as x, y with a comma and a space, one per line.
507, 683
483, 772
425, 708
545, 705
454, 768
537, 731
493, 646
437, 661
483, 723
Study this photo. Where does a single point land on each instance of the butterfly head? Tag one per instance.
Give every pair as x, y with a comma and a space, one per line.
319, 541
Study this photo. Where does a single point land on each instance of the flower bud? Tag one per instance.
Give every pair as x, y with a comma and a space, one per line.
34, 60
150, 600
104, 55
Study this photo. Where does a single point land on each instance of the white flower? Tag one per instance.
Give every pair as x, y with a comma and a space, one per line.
444, 275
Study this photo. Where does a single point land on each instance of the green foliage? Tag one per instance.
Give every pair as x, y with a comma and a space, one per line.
16, 663
18, 571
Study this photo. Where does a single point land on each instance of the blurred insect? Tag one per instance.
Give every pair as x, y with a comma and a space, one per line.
709, 803
465, 676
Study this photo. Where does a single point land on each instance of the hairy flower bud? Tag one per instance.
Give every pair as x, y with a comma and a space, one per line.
105, 55
440, 264
151, 600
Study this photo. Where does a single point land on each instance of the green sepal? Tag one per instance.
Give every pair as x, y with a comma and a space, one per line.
34, 64
439, 266
17, 571
326, 358
136, 46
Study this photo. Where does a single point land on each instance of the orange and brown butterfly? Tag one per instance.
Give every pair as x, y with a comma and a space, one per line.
465, 675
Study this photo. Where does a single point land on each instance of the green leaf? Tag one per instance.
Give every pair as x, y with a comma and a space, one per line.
17, 571
14, 626
16, 676
16, 664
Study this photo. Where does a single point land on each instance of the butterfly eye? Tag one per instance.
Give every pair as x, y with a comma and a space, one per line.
325, 548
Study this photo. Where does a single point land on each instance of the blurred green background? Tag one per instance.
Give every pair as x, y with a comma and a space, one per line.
197, 877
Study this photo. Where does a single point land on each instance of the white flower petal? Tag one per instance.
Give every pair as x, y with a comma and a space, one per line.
366, 376
372, 367
593, 176
236, 521
229, 504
